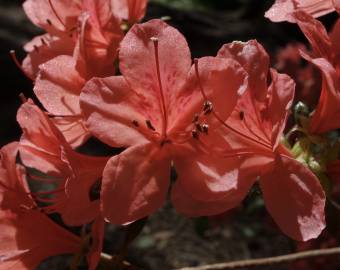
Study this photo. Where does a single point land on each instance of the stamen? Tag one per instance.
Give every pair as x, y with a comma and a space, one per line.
16, 62
205, 128
22, 98
135, 123
194, 134
49, 21
207, 107
199, 127
149, 125
217, 116
56, 14
163, 108
36, 48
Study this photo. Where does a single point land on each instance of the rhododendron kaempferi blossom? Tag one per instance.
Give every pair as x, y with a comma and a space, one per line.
156, 108
96, 36
27, 236
81, 43
76, 176
92, 25
325, 57
282, 9
292, 193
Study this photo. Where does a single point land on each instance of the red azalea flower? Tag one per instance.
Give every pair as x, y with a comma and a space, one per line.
44, 148
59, 20
326, 58
292, 194
282, 9
157, 109
90, 26
27, 235
60, 79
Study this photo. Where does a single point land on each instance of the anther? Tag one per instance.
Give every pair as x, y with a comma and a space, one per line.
241, 115
49, 21
205, 128
149, 125
198, 127
135, 123
154, 39
36, 48
194, 134
207, 107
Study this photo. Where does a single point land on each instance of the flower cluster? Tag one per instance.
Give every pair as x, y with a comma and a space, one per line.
219, 122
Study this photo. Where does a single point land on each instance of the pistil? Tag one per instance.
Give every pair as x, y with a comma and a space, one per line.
160, 87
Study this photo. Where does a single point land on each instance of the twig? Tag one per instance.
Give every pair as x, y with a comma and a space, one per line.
268, 261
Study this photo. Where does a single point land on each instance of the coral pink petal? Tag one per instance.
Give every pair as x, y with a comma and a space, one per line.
29, 238
81, 206
114, 113
73, 128
138, 62
58, 92
334, 36
316, 34
41, 140
327, 110
129, 10
44, 48
137, 9
13, 185
55, 19
282, 9
187, 205
99, 38
336, 4
131, 194
281, 95
208, 178
254, 59
44, 148
295, 199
